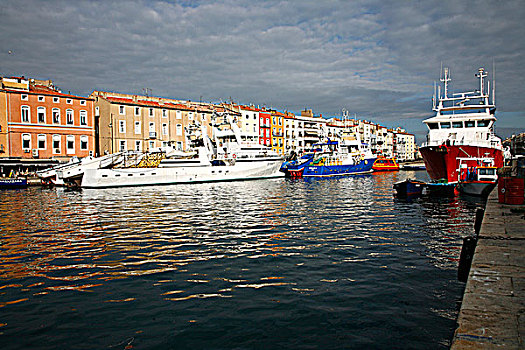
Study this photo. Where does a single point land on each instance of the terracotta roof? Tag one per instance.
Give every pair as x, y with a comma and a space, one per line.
44, 90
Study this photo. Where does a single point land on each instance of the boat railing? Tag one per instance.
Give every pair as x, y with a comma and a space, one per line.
479, 143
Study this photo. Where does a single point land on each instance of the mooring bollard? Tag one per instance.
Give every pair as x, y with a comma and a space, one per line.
480, 212
465, 259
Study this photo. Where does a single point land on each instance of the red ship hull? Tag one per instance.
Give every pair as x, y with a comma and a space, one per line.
442, 161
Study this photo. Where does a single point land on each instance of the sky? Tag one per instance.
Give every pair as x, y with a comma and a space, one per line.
377, 59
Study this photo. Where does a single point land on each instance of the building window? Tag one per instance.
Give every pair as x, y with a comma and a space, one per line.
56, 99
164, 129
56, 115
152, 144
152, 127
83, 143
164, 144
97, 111
137, 128
190, 116
122, 145
137, 110
121, 110
83, 117
69, 116
179, 145
26, 114
179, 114
24, 97
26, 142
151, 113
82, 102
41, 113
69, 101
70, 144
280, 121
41, 99
138, 146
56, 144
203, 117
122, 126
178, 129
41, 141
164, 113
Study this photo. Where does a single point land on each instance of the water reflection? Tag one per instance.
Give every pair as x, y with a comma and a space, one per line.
244, 245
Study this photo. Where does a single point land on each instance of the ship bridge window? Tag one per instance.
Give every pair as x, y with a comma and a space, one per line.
445, 125
483, 123
457, 125
484, 171
433, 126
470, 124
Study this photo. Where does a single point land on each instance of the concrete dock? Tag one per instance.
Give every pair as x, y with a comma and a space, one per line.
492, 313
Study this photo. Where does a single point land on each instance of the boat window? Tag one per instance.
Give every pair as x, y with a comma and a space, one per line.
456, 125
470, 124
483, 123
432, 126
104, 176
483, 171
445, 125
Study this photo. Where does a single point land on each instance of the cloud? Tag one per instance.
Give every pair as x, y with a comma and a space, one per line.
376, 59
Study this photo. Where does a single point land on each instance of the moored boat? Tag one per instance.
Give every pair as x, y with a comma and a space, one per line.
385, 164
409, 188
478, 180
224, 157
13, 182
332, 158
462, 130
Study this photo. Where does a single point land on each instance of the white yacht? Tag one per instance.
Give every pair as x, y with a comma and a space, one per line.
224, 157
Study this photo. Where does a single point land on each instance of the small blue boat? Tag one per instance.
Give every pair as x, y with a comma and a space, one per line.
331, 158
13, 182
409, 188
413, 188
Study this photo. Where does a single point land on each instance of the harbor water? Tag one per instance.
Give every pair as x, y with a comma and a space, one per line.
294, 264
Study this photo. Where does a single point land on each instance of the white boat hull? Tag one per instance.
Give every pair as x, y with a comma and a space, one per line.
125, 177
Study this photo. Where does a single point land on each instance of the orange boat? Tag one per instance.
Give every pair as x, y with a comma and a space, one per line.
385, 164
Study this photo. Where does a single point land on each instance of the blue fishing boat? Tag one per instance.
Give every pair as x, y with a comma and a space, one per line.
332, 158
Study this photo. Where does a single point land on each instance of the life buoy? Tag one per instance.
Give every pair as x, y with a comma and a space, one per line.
234, 156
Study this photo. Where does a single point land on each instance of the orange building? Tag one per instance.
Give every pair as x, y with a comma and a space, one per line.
38, 121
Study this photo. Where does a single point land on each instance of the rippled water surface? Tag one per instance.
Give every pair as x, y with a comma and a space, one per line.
293, 264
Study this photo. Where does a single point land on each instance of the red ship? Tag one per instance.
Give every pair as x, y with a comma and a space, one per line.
461, 133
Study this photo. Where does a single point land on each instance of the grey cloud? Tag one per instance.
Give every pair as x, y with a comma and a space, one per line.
376, 59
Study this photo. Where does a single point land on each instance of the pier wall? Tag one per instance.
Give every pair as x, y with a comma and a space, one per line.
492, 312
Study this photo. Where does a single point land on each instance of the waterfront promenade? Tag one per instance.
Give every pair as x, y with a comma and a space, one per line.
492, 313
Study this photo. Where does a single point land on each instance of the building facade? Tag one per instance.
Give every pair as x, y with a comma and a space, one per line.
38, 121
145, 123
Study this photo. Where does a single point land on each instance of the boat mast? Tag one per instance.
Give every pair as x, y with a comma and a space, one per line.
481, 74
493, 83
445, 80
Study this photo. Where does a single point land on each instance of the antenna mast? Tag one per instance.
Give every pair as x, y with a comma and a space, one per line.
493, 82
445, 80
481, 74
